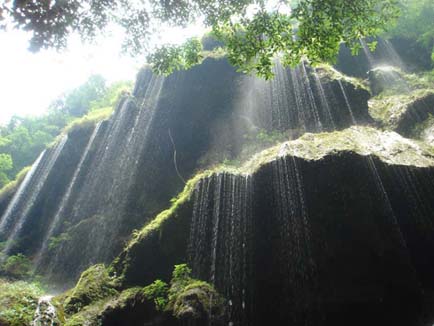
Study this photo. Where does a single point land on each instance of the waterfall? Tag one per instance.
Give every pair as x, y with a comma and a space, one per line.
220, 245
384, 55
17, 198
347, 102
295, 99
65, 198
104, 196
45, 314
33, 188
294, 261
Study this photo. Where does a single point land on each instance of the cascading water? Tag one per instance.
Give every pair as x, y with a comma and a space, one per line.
385, 54
220, 246
347, 102
17, 198
296, 100
114, 167
33, 189
295, 263
123, 171
271, 249
45, 314
65, 198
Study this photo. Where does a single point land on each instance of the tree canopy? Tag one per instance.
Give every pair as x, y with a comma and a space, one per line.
251, 31
416, 22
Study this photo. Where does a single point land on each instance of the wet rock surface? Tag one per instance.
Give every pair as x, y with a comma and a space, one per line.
328, 233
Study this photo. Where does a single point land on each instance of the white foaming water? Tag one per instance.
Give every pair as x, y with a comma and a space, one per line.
45, 314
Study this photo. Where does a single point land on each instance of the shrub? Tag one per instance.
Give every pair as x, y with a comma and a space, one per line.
94, 284
18, 301
157, 291
17, 266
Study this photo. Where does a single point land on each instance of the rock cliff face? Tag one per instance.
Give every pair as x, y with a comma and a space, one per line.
314, 231
303, 203
103, 181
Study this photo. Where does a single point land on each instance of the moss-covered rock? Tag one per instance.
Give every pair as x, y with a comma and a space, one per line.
199, 301
388, 146
159, 245
132, 307
403, 112
387, 78
88, 315
187, 300
94, 285
425, 130
329, 74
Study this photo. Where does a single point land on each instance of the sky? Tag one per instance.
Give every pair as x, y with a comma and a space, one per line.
29, 82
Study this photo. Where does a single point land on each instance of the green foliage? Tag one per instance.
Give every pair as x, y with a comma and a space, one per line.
197, 299
181, 273
189, 297
416, 22
157, 291
251, 33
110, 96
18, 301
23, 138
89, 119
314, 29
76, 103
55, 242
17, 266
6, 164
51, 24
252, 44
12, 186
169, 58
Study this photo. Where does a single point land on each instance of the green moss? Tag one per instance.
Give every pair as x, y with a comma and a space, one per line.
126, 295
192, 298
88, 315
198, 298
9, 189
94, 285
327, 72
160, 219
397, 82
88, 120
18, 302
